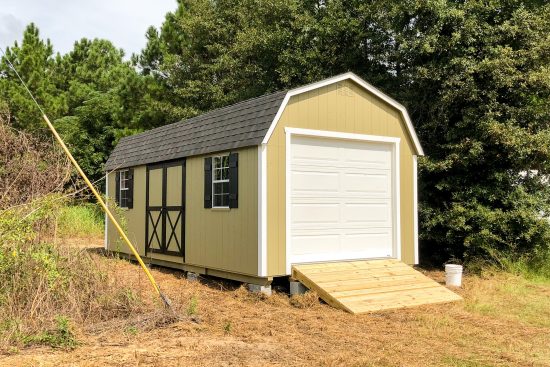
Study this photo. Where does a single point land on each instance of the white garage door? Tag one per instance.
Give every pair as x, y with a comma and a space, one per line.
341, 199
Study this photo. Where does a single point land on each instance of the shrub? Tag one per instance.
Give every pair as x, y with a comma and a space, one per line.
60, 336
40, 280
29, 168
80, 220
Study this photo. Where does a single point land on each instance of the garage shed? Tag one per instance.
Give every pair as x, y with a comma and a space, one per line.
325, 172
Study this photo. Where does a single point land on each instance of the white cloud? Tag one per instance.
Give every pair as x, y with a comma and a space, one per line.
11, 29
123, 22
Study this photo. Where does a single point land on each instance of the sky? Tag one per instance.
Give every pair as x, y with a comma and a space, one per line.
123, 22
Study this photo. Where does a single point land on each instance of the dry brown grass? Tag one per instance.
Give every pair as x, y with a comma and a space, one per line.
306, 300
49, 284
231, 326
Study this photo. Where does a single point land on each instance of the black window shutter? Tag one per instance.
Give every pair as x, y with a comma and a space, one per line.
234, 180
117, 188
130, 193
208, 182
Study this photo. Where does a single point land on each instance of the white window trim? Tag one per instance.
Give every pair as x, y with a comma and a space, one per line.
219, 181
125, 171
396, 190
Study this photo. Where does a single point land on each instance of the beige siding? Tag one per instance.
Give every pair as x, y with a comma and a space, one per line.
223, 239
343, 107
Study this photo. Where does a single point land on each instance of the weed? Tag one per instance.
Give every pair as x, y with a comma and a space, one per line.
227, 327
60, 337
39, 280
461, 362
534, 266
193, 306
132, 330
512, 297
84, 220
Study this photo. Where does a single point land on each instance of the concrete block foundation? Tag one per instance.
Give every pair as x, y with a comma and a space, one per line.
297, 288
256, 288
192, 277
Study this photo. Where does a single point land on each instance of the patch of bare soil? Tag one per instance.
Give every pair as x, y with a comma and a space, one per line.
218, 323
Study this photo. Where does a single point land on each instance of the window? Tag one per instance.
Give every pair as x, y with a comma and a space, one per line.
124, 189
220, 181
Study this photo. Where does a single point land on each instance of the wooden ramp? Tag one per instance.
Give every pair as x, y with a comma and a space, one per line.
373, 285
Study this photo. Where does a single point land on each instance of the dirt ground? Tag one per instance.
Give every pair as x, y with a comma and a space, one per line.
503, 320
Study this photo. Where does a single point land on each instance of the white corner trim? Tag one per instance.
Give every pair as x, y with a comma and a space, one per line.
262, 210
362, 83
288, 133
105, 240
396, 183
396, 186
415, 209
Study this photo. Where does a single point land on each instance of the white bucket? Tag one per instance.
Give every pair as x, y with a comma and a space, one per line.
453, 275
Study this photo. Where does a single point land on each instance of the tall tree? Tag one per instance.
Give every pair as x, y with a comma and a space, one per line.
35, 62
212, 53
104, 101
474, 75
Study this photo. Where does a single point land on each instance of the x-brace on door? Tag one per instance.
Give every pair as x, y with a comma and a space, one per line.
165, 208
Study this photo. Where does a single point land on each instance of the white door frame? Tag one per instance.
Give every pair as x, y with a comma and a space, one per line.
396, 201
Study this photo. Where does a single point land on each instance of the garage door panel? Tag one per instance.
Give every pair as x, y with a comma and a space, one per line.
314, 181
370, 214
367, 242
315, 213
368, 183
364, 155
307, 244
311, 151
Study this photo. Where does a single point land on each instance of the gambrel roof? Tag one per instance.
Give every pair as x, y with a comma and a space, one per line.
242, 124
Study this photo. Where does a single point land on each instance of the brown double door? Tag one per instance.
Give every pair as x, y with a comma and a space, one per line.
165, 208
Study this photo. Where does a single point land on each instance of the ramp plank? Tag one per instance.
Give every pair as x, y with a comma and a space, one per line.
371, 285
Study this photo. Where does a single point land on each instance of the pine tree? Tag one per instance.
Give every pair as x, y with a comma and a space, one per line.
35, 62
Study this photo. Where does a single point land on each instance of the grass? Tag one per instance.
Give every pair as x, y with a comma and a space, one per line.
460, 362
60, 337
47, 286
511, 297
192, 306
83, 220
503, 320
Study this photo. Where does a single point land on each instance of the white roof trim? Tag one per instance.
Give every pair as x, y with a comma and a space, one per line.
361, 82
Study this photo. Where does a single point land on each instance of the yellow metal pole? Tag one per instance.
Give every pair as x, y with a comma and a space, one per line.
104, 207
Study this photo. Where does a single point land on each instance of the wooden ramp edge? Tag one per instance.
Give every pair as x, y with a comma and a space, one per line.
371, 285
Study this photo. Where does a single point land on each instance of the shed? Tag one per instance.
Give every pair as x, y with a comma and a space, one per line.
325, 172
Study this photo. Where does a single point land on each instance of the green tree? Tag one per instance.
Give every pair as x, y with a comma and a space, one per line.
104, 100
475, 76
212, 53
35, 62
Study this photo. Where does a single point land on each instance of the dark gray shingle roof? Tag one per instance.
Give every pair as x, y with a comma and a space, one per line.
239, 125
